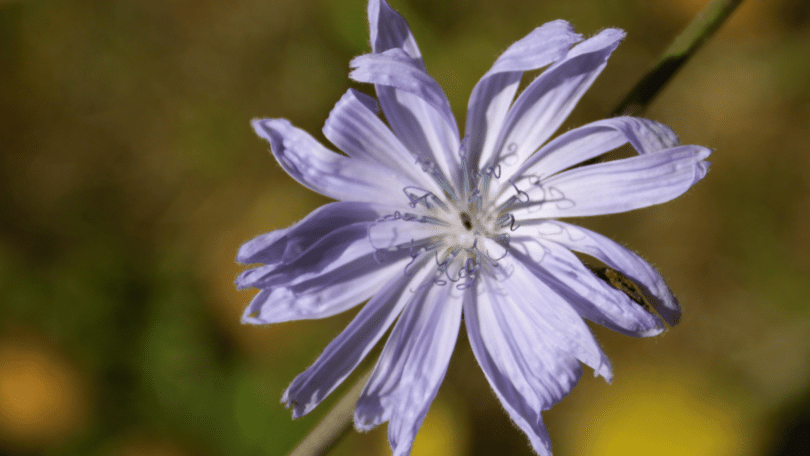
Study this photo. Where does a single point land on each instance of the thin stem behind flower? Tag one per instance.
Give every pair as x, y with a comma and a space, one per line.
682, 48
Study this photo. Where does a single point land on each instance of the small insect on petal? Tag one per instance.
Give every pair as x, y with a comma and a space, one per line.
620, 282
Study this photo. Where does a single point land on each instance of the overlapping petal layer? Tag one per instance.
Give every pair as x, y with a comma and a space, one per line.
353, 126
616, 186
344, 353
493, 94
617, 257
525, 367
412, 365
547, 101
419, 116
592, 298
594, 139
324, 171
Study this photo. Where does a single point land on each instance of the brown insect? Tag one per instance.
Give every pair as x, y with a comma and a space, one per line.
620, 282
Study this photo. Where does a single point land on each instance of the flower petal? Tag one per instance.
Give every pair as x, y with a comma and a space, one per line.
616, 186
412, 365
547, 101
324, 171
285, 244
355, 129
344, 284
414, 104
527, 369
345, 352
493, 94
550, 314
390, 234
619, 258
594, 139
591, 297
265, 248
389, 30
336, 249
425, 126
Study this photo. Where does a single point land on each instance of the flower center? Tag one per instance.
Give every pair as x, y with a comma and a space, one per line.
463, 231
466, 220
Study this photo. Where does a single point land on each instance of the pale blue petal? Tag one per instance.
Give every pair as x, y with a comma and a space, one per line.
591, 297
492, 96
337, 247
550, 314
412, 365
324, 171
594, 139
345, 352
284, 245
615, 186
344, 284
390, 31
547, 101
425, 126
528, 371
265, 248
619, 258
416, 106
390, 234
353, 126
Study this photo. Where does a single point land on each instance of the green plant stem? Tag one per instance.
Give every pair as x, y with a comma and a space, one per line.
334, 425
338, 421
682, 48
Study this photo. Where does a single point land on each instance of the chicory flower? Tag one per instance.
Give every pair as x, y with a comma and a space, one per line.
431, 226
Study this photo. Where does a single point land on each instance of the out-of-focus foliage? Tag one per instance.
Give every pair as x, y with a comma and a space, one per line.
129, 176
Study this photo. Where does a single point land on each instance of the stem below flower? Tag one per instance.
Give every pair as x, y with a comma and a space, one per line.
334, 425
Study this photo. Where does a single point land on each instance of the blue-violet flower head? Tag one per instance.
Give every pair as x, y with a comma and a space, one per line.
429, 226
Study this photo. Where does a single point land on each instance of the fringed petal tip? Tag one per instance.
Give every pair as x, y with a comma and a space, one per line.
365, 420
247, 279
702, 167
669, 310
251, 315
652, 332
262, 125
297, 409
561, 25
612, 34
251, 320
604, 369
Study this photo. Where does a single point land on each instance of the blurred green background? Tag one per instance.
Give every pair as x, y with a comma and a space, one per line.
129, 177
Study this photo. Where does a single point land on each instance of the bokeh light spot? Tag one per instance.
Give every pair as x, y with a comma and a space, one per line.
42, 397
665, 415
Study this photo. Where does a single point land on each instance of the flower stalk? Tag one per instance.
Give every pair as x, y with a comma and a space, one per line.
676, 55
334, 425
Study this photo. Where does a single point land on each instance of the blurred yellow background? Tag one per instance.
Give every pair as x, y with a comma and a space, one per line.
130, 176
